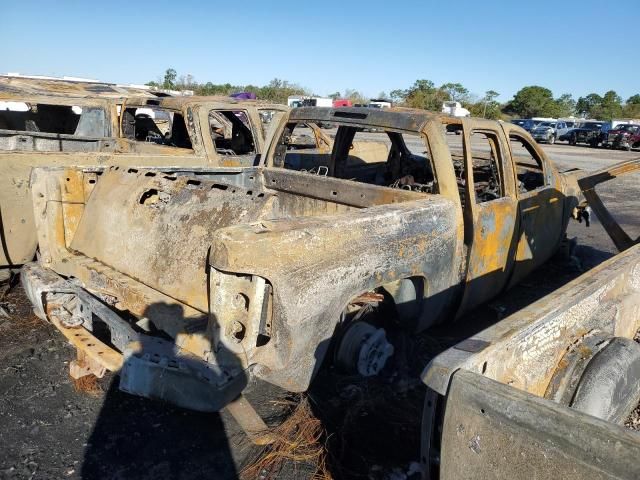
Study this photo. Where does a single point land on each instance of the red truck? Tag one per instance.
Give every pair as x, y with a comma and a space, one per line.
342, 102
624, 136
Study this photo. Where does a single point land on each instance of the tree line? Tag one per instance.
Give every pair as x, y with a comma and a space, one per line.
529, 101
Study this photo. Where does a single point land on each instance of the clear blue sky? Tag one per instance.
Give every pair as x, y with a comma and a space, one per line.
568, 46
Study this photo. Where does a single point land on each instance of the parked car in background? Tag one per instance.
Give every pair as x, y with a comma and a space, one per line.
591, 133
379, 103
619, 121
625, 136
571, 122
317, 102
455, 109
531, 123
342, 102
549, 131
521, 122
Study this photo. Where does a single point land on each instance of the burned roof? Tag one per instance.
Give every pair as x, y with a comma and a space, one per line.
21, 87
386, 118
26, 88
177, 103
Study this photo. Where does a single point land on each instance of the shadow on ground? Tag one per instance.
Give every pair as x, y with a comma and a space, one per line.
136, 438
48, 430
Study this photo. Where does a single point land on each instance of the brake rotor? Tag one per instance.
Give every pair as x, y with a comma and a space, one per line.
363, 349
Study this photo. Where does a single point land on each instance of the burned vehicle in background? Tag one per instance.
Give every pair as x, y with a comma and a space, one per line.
624, 136
191, 282
59, 122
590, 133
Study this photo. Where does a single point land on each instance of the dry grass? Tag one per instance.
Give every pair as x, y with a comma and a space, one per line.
20, 318
87, 384
298, 439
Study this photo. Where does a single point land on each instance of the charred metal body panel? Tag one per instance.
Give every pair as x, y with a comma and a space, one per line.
25, 144
530, 387
251, 262
251, 270
492, 430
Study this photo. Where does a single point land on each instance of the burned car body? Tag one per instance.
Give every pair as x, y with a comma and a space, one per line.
54, 122
204, 278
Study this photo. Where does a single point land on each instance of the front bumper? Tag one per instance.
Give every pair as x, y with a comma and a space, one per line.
542, 137
149, 366
617, 142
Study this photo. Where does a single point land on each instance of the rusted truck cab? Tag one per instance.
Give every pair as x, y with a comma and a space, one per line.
57, 123
206, 278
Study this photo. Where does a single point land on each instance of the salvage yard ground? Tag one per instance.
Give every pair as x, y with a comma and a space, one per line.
51, 428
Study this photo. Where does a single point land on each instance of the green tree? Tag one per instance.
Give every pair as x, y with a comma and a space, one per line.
455, 91
355, 96
170, 76
632, 107
490, 95
486, 107
335, 95
278, 91
585, 106
566, 105
491, 106
533, 101
424, 94
634, 99
610, 107
398, 95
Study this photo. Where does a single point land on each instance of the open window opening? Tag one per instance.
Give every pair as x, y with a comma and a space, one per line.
486, 160
528, 164
58, 119
486, 176
269, 119
155, 125
231, 132
368, 155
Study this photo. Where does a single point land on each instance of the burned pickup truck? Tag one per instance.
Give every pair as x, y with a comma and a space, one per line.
56, 122
190, 282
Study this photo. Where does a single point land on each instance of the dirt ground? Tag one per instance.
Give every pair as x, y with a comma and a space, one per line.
51, 428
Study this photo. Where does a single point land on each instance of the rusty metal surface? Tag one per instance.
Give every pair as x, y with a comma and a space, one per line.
96, 351
492, 430
161, 233
525, 349
390, 118
19, 87
23, 150
253, 267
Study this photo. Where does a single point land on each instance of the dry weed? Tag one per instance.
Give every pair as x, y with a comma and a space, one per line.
87, 384
298, 439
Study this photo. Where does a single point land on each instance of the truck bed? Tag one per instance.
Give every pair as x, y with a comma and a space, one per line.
157, 228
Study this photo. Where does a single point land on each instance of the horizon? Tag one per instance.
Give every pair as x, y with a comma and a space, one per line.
482, 47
